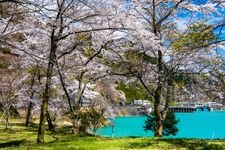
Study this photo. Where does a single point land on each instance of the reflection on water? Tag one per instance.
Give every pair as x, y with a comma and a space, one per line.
199, 124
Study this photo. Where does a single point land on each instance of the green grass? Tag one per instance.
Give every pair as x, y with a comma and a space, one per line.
19, 137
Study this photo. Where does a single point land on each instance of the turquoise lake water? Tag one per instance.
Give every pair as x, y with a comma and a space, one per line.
199, 124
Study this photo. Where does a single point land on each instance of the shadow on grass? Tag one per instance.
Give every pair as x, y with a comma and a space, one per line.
19, 127
64, 130
8, 131
19, 124
22, 124
190, 144
135, 145
12, 143
133, 137
193, 144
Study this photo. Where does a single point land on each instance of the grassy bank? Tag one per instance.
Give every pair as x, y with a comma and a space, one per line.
19, 137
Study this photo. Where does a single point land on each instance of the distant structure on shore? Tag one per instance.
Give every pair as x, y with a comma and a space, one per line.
187, 107
143, 107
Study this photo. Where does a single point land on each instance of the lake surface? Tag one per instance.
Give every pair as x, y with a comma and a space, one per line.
199, 124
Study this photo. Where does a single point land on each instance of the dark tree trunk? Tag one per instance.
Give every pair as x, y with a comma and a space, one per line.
46, 95
157, 112
28, 116
79, 97
7, 119
65, 89
55, 38
51, 63
44, 107
169, 95
158, 93
49, 120
31, 104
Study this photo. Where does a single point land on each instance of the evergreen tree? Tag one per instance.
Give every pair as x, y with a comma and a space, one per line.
169, 124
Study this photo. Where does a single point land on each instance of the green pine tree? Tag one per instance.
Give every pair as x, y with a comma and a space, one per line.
169, 124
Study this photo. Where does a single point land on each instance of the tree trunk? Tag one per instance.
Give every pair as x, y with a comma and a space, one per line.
28, 116
158, 93
169, 93
44, 107
31, 104
49, 120
79, 95
7, 119
65, 89
46, 95
157, 113
55, 38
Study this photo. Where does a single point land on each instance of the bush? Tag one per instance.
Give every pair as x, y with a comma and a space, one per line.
87, 119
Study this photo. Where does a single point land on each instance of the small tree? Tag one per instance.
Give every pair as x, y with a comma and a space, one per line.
86, 119
169, 124
9, 89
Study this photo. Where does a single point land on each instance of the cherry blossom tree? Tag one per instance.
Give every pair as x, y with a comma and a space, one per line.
53, 32
150, 52
10, 85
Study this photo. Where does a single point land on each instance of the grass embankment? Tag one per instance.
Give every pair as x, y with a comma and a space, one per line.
19, 137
